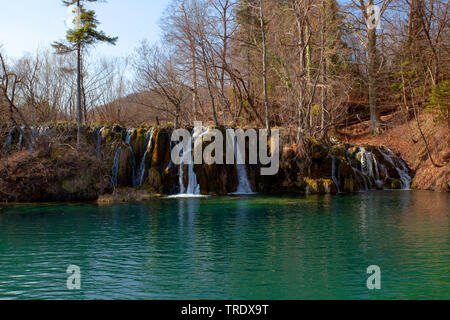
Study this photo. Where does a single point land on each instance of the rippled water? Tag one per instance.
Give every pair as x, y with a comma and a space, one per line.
315, 247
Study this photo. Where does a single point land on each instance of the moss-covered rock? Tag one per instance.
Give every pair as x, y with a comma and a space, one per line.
125, 175
319, 186
124, 195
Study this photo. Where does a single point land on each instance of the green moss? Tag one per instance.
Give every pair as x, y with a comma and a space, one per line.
311, 185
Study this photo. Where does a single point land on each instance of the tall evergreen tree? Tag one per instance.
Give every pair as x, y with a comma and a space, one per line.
82, 35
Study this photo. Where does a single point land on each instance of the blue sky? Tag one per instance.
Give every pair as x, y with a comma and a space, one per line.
26, 25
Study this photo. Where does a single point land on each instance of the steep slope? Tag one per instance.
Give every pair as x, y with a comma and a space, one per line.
405, 139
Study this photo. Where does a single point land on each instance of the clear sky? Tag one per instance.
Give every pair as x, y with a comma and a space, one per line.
26, 25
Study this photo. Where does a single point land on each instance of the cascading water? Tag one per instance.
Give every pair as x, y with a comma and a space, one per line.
115, 168
193, 188
244, 186
404, 176
142, 165
336, 180
181, 175
133, 159
369, 168
402, 172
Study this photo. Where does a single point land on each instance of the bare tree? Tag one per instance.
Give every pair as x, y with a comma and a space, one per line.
156, 72
8, 85
366, 29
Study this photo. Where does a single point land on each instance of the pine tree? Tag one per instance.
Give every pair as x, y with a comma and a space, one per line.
83, 35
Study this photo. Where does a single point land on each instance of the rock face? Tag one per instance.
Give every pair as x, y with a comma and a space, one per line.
144, 162
331, 167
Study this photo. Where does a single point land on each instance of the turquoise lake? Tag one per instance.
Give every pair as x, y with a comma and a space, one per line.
257, 247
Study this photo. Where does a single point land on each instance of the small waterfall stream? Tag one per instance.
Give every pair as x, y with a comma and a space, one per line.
141, 171
369, 168
244, 186
402, 172
115, 168
193, 188
336, 180
133, 158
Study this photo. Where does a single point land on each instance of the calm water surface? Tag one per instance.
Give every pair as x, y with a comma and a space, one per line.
260, 247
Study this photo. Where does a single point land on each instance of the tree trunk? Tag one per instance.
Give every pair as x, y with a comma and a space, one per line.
302, 64
372, 61
308, 74
323, 71
80, 116
79, 110
83, 91
264, 64
194, 84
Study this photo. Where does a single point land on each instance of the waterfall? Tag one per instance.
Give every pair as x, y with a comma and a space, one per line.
369, 167
402, 172
244, 186
149, 139
98, 142
379, 183
181, 175
404, 176
133, 159
115, 168
333, 173
193, 187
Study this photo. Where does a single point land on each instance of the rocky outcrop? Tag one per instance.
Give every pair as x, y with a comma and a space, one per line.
142, 161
